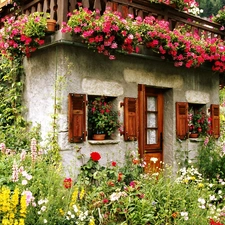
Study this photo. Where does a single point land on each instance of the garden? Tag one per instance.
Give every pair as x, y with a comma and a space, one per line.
34, 188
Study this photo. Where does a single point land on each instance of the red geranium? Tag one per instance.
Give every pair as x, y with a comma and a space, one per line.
95, 156
67, 183
212, 222
113, 163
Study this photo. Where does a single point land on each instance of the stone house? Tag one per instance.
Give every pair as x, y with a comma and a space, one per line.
152, 96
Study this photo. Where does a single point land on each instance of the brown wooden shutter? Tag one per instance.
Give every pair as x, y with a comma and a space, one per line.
130, 119
77, 115
182, 120
215, 123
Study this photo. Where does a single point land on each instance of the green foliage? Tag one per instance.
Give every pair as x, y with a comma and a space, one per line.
102, 119
14, 130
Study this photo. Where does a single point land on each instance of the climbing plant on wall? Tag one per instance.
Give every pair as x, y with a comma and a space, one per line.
13, 126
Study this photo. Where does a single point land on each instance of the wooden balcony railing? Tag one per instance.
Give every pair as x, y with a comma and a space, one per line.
58, 10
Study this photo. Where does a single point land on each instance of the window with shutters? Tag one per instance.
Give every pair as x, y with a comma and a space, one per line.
76, 117
194, 120
80, 116
102, 117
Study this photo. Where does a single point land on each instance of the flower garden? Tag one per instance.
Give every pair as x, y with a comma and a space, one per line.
34, 190
33, 187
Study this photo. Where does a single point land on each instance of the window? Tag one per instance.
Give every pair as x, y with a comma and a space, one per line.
192, 118
102, 117
79, 117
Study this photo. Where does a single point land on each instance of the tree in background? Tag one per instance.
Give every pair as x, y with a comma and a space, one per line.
210, 7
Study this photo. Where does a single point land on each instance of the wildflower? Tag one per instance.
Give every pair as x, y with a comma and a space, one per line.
33, 149
24, 182
113, 163
29, 197
95, 156
153, 159
185, 215
15, 174
67, 183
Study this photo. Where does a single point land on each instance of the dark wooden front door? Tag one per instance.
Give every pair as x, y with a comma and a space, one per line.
150, 126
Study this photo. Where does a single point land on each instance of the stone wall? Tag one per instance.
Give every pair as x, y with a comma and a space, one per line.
87, 72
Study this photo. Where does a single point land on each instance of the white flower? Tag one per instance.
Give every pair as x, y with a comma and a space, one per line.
212, 197
210, 185
185, 215
75, 208
45, 221
154, 159
24, 182
201, 200
43, 208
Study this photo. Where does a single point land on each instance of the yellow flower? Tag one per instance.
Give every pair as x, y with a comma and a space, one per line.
15, 199
4, 200
92, 221
74, 197
185, 181
21, 222
200, 185
192, 178
82, 193
23, 206
61, 212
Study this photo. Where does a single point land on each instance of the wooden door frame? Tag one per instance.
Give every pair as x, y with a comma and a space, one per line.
142, 92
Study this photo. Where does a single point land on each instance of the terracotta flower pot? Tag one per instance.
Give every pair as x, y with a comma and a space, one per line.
193, 135
51, 25
98, 137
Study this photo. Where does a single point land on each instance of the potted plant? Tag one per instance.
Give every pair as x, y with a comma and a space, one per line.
102, 119
198, 123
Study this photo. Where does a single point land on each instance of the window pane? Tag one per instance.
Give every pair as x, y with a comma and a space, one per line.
151, 136
151, 120
151, 104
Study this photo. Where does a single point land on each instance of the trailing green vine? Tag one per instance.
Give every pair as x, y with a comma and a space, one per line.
14, 129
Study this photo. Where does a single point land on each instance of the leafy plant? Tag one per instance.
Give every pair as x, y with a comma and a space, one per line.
102, 119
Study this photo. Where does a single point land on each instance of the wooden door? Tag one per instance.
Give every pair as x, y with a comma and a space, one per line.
151, 126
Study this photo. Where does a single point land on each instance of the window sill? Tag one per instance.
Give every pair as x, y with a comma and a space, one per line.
196, 139
103, 142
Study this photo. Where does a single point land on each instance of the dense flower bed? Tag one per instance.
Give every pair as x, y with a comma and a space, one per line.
112, 194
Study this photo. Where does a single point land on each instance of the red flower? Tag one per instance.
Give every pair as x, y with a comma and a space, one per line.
111, 183
95, 156
212, 222
113, 163
120, 176
105, 200
67, 183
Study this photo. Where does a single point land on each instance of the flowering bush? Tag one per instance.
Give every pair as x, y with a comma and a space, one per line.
22, 35
110, 194
220, 17
101, 117
110, 33
190, 6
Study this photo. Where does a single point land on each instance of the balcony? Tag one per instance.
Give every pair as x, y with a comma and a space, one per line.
58, 10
